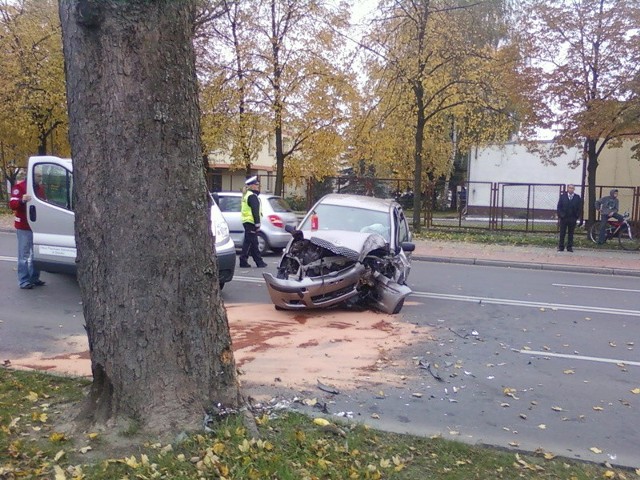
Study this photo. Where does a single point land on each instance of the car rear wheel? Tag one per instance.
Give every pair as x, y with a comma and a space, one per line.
263, 246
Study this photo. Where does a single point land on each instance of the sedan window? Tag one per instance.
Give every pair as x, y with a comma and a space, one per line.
338, 217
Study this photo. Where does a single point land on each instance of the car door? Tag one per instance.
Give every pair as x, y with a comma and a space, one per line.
230, 208
50, 213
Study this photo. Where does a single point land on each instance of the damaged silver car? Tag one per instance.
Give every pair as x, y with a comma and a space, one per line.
349, 250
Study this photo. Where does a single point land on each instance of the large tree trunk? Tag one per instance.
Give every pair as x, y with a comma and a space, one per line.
158, 332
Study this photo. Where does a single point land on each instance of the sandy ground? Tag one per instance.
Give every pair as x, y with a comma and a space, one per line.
292, 350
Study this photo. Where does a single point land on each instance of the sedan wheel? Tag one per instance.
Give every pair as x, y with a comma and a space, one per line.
263, 246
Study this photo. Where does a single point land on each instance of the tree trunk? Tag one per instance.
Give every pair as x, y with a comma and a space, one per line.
158, 333
419, 138
592, 166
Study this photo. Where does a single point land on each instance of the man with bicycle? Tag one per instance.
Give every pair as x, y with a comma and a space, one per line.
608, 207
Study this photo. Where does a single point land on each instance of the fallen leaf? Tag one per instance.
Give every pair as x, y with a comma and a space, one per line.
595, 450
526, 348
85, 449
612, 344
56, 437
505, 405
549, 456
59, 473
557, 409
636, 391
92, 435
321, 421
59, 455
514, 444
609, 474
523, 416
598, 409
375, 415
417, 395
454, 432
569, 372
33, 397
542, 426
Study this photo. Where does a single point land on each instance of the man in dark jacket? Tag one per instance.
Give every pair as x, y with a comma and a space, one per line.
608, 207
569, 210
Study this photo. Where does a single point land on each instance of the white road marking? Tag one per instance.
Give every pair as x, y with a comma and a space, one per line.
248, 279
8, 259
579, 357
526, 303
595, 288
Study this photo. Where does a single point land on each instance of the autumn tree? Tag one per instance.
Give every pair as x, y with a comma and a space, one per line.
304, 88
579, 65
157, 328
231, 120
429, 63
33, 117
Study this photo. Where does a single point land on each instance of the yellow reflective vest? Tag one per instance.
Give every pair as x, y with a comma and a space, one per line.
246, 215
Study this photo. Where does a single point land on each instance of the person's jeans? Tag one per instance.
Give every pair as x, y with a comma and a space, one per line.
27, 273
604, 224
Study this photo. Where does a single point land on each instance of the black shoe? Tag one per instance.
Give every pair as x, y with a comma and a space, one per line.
561, 249
244, 265
39, 283
569, 249
262, 265
26, 286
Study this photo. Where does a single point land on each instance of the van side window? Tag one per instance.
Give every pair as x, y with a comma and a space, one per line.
57, 185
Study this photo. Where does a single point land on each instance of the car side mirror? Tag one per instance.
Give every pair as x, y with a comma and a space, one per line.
408, 246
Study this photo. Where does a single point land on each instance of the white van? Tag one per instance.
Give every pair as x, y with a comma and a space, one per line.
50, 214
51, 217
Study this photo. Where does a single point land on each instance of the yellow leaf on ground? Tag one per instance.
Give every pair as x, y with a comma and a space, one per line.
598, 409
569, 372
542, 426
636, 391
56, 437
609, 474
595, 450
321, 421
59, 473
33, 396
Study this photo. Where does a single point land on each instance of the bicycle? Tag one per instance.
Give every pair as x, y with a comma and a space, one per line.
620, 229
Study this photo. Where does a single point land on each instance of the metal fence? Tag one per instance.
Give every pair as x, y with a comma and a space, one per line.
520, 207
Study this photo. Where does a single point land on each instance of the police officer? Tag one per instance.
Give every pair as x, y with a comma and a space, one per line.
250, 213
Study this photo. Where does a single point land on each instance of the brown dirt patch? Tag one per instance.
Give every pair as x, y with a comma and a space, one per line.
293, 349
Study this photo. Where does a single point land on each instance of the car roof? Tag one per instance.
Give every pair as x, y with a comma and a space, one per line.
358, 201
239, 194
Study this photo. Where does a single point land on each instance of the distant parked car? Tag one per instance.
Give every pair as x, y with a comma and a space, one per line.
350, 250
276, 214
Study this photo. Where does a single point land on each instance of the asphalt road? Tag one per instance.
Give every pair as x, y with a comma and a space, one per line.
526, 359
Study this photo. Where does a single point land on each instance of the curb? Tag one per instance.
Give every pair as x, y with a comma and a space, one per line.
529, 265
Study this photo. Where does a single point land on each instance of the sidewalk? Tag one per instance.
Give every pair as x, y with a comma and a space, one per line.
611, 262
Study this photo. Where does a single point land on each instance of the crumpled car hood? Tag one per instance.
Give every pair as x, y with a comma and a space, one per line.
352, 245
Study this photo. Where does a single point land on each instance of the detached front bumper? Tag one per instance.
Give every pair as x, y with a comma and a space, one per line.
314, 292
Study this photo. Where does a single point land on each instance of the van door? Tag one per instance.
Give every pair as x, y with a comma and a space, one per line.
50, 213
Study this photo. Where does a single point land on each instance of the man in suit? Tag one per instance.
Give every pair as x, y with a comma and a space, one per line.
569, 210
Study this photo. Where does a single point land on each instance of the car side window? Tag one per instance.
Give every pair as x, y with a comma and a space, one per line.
403, 228
230, 204
54, 185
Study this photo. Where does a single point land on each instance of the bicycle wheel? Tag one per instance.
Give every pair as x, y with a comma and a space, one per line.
628, 241
594, 231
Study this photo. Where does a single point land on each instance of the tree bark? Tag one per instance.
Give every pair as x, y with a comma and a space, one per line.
592, 167
158, 332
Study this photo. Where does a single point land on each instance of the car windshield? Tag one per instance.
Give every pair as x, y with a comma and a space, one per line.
340, 217
279, 204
